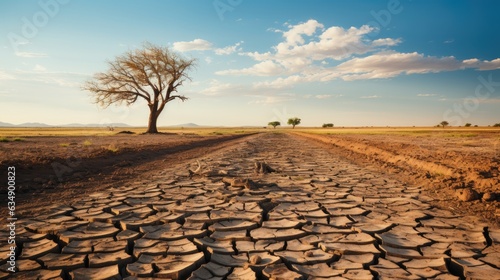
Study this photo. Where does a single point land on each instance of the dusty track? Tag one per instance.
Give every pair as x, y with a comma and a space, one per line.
317, 216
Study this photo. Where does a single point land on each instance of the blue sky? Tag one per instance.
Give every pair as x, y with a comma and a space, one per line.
351, 63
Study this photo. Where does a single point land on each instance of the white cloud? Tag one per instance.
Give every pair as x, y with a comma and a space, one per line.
266, 100
473, 62
195, 45
386, 42
323, 96
218, 88
280, 83
311, 52
294, 35
387, 65
265, 68
229, 49
370, 97
489, 101
426, 94
5, 93
41, 75
30, 54
482, 65
39, 68
208, 59
305, 43
380, 65
6, 76
335, 42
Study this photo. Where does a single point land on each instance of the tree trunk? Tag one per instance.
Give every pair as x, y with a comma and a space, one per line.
293, 126
153, 117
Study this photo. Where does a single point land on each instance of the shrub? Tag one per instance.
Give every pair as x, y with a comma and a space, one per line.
112, 148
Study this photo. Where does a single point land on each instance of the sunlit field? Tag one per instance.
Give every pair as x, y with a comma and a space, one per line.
407, 131
12, 133
99, 131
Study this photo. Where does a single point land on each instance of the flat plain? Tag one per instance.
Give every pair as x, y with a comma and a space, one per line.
255, 203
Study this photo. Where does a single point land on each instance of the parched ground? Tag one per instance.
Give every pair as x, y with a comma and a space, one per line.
448, 163
58, 168
261, 206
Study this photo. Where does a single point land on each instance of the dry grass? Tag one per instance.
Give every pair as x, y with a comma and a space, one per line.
5, 133
464, 132
17, 134
112, 148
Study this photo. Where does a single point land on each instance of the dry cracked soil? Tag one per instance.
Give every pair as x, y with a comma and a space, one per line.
263, 206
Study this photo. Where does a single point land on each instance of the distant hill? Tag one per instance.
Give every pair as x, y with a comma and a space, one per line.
4, 124
185, 125
34, 124
94, 125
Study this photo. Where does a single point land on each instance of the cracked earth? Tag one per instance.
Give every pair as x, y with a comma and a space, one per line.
275, 206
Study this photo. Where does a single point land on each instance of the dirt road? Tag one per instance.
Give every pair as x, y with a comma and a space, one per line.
272, 206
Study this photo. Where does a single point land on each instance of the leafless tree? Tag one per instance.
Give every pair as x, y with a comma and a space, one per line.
153, 73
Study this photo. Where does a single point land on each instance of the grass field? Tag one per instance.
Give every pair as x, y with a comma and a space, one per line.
406, 131
16, 134
9, 134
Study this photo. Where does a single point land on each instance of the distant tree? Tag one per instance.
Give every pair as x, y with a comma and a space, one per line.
496, 125
468, 125
274, 124
475, 125
153, 73
293, 122
444, 123
325, 125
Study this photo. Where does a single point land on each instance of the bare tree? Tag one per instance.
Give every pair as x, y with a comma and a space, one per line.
153, 73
